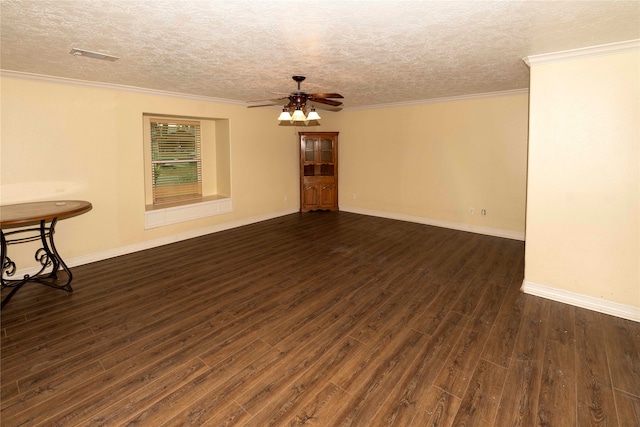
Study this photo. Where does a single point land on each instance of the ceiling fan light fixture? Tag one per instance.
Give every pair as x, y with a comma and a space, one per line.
298, 116
313, 115
299, 110
285, 115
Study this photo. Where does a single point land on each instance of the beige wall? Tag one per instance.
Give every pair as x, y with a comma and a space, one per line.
583, 217
64, 141
436, 161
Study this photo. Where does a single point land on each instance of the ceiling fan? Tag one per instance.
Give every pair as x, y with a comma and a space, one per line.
297, 103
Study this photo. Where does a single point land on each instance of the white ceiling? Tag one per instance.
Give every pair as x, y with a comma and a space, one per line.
372, 52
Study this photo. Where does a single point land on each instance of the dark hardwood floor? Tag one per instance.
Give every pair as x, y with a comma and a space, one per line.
319, 319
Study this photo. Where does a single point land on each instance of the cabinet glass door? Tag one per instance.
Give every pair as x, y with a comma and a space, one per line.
326, 150
310, 150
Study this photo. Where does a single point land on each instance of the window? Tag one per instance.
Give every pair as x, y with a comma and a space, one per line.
187, 168
176, 163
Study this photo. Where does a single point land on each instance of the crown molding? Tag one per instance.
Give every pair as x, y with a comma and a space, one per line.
112, 86
585, 52
547, 58
156, 92
523, 91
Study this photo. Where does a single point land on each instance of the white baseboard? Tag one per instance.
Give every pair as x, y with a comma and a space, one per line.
148, 244
508, 234
583, 301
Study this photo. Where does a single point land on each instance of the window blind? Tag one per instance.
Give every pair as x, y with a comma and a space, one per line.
176, 170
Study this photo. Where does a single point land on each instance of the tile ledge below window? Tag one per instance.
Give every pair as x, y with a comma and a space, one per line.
159, 216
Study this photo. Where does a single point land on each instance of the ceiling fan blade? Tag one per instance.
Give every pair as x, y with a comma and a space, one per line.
300, 99
325, 95
325, 101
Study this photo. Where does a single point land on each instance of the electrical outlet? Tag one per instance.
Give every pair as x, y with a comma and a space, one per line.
471, 211
484, 212
286, 197
353, 196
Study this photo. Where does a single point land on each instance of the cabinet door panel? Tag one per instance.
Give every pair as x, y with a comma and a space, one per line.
327, 196
310, 196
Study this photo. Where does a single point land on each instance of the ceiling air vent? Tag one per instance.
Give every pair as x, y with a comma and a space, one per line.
95, 55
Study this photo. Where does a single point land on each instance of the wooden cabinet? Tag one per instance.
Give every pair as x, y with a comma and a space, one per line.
318, 171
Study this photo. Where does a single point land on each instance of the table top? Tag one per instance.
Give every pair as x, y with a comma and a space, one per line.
30, 213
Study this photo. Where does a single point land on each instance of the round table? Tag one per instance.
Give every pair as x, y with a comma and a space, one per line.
31, 220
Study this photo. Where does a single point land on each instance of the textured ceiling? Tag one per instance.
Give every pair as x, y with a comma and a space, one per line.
373, 52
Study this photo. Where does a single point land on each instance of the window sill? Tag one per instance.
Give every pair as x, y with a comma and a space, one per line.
155, 216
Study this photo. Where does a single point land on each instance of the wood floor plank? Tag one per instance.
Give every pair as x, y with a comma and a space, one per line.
446, 298
50, 389
502, 338
480, 402
482, 280
628, 407
623, 354
315, 319
131, 404
191, 403
367, 400
557, 404
341, 319
437, 409
322, 408
308, 385
118, 413
156, 333
452, 258
232, 415
419, 256
78, 304
394, 314
596, 401
519, 403
95, 395
454, 376
265, 386
9, 390
309, 349
407, 397
303, 310
133, 361
37, 332
34, 360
